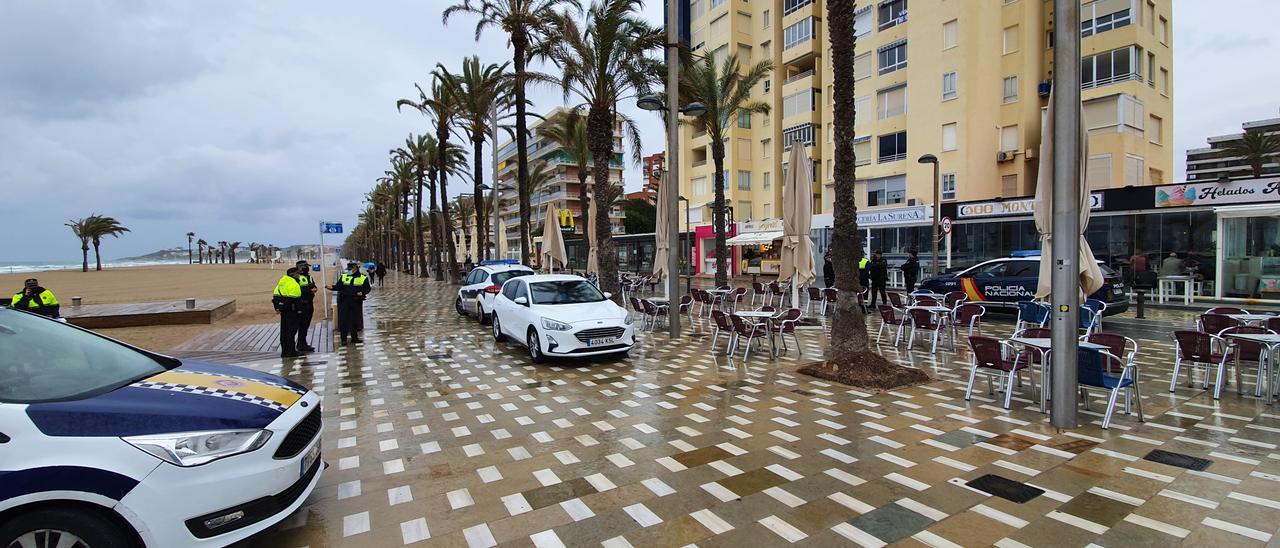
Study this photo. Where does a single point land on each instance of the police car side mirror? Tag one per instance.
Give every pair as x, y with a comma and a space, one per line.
521, 301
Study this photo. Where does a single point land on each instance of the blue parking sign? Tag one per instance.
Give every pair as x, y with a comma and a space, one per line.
331, 228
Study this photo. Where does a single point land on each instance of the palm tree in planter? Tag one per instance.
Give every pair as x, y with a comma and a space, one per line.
852, 361
101, 226
725, 91
568, 130
1255, 148
530, 26
80, 227
605, 61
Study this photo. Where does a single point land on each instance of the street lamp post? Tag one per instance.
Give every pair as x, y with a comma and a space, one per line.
937, 209
1065, 248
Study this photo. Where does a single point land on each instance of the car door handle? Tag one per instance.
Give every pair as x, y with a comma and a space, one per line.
4, 438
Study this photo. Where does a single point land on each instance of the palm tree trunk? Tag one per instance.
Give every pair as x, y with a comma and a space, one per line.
451, 251
97, 257
584, 204
482, 226
84, 252
600, 141
519, 43
417, 228
718, 218
435, 230
848, 324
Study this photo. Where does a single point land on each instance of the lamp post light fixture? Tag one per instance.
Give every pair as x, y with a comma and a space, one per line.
937, 209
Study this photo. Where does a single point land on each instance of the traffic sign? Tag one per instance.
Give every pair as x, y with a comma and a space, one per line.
945, 225
331, 228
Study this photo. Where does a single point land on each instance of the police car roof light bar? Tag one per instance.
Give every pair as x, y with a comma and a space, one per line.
1027, 253
499, 261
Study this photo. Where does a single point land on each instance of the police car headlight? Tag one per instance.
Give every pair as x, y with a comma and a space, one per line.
196, 448
550, 324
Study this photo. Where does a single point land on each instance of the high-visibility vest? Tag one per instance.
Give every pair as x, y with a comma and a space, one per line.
862, 263
45, 298
348, 279
288, 287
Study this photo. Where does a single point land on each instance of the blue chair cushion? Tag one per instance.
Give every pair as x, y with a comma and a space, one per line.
1092, 371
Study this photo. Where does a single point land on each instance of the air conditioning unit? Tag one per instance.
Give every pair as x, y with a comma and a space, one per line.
1044, 88
913, 201
1004, 156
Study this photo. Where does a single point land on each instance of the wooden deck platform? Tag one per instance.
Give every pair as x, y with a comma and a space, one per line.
259, 338
97, 316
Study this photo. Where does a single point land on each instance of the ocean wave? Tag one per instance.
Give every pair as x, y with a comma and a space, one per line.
16, 267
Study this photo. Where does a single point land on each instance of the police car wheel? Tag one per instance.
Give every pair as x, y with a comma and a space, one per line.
63, 527
535, 349
457, 305
484, 318
497, 330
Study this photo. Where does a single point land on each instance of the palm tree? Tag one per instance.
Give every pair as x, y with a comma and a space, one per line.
231, 251
568, 130
200, 245
726, 94
190, 235
80, 227
479, 91
416, 151
100, 226
529, 26
851, 357
603, 62
439, 107
1255, 148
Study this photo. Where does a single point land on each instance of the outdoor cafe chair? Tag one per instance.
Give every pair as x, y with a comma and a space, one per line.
1088, 320
968, 315
889, 316
775, 290
925, 320
815, 294
1093, 371
1031, 314
895, 299
1216, 323
1273, 324
686, 304
1098, 307
722, 325
751, 331
758, 291
1245, 351
1198, 347
635, 304
785, 324
734, 298
997, 358
1227, 310
767, 308
953, 299
653, 311
829, 297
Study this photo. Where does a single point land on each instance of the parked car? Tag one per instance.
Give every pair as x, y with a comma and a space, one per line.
482, 284
107, 445
561, 315
1001, 283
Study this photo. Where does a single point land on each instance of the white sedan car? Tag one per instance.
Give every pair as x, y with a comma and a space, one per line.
560, 315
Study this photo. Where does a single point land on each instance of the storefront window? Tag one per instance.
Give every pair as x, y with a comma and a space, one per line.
1251, 257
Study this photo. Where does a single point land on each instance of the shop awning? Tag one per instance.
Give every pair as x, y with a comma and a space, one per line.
755, 238
1228, 212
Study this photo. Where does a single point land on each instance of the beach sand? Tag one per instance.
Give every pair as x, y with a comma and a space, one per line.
249, 284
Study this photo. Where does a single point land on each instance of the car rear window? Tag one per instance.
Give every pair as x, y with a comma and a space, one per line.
500, 278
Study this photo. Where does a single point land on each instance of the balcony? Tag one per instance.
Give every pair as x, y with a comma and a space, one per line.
798, 77
1111, 80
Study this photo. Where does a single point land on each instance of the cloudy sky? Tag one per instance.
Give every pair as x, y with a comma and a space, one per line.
251, 121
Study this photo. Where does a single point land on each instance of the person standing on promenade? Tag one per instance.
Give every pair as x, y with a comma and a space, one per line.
287, 302
911, 270
306, 305
381, 272
351, 287
878, 271
34, 298
828, 270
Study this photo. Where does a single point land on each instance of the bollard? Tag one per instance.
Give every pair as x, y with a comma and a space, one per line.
75, 301
1142, 300
191, 304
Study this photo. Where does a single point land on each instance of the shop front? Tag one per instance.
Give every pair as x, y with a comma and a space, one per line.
892, 231
704, 251
759, 246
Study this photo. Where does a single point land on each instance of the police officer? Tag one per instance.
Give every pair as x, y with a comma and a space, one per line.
351, 287
34, 298
287, 302
306, 305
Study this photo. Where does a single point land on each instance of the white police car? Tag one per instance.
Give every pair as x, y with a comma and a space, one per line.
106, 445
483, 283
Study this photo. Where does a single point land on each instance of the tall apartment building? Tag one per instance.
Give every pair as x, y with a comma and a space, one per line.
653, 166
562, 190
965, 80
1212, 162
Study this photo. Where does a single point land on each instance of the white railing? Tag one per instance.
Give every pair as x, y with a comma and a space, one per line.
798, 77
1111, 80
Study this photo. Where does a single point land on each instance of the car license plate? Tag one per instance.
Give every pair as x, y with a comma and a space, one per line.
309, 459
602, 341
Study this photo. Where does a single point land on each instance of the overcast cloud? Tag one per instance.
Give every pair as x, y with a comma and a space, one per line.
250, 121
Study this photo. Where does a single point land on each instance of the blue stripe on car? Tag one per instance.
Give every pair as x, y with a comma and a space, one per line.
65, 478
132, 411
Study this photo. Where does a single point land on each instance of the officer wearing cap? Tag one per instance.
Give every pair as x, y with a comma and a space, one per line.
352, 287
306, 305
287, 302
34, 298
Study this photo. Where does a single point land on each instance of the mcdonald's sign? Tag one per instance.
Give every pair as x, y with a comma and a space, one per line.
566, 220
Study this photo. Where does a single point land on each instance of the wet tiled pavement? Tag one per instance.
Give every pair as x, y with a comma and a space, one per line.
437, 436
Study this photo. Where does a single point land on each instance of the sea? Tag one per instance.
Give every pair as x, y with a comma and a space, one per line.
14, 267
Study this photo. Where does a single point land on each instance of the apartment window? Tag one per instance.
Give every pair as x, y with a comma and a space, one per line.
743, 212
766, 148
766, 86
950, 34
891, 102
1109, 67
798, 33
715, 3
862, 66
764, 19
949, 136
719, 55
744, 119
697, 9
1151, 70
1010, 89
1009, 185
893, 147
861, 150
744, 180
800, 102
1010, 39
1149, 16
790, 6
1094, 21
831, 132
719, 26
860, 109
744, 149
700, 186
892, 12
887, 190
766, 211
764, 180
744, 54
1008, 138
1134, 169
1097, 173
803, 133
949, 86
893, 56
1162, 30
1164, 81
948, 186
1155, 129
862, 22
1132, 113
831, 169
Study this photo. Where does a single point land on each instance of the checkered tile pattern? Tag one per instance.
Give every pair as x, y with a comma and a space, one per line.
214, 392
438, 436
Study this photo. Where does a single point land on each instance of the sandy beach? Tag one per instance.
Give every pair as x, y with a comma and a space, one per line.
249, 284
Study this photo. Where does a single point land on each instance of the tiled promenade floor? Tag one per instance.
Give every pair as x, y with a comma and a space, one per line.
436, 436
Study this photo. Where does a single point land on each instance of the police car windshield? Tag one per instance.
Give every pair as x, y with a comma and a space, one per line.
500, 278
565, 292
42, 360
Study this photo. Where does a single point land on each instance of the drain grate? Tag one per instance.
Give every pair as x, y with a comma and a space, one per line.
1178, 459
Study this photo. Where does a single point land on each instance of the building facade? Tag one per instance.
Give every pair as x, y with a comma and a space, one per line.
562, 190
1214, 161
654, 166
966, 81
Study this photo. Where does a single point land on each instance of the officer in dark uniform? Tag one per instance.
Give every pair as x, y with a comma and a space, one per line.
34, 298
352, 287
287, 302
306, 305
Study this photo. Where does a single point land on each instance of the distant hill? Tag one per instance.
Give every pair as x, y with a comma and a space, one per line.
177, 254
